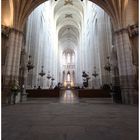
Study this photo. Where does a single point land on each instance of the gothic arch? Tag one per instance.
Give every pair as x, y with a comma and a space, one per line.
22, 9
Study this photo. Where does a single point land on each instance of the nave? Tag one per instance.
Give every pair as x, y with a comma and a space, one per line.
69, 118
87, 45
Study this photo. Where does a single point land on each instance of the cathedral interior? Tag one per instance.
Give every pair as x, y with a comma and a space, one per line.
69, 69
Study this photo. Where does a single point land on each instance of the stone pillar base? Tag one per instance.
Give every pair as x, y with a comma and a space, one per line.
24, 97
5, 95
129, 96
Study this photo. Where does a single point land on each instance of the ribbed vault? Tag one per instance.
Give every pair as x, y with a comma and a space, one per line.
22, 9
68, 23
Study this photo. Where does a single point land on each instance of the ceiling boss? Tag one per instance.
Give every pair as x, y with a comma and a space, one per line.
68, 2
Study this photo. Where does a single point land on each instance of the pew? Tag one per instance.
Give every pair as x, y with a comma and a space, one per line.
94, 93
42, 93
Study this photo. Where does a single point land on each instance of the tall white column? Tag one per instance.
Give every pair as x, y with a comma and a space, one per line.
126, 67
13, 59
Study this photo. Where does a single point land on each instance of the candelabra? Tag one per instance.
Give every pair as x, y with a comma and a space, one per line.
95, 74
48, 77
88, 77
84, 74
52, 79
29, 64
38, 82
85, 79
107, 67
42, 73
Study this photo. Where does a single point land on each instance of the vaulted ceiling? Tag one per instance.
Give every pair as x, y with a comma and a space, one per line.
20, 10
68, 17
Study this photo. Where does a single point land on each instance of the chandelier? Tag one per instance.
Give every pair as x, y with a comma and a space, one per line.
42, 73
85, 79
29, 64
88, 77
107, 67
95, 74
85, 75
52, 78
48, 75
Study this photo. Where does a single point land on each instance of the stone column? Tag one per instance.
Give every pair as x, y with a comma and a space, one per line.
23, 74
126, 67
12, 60
4, 48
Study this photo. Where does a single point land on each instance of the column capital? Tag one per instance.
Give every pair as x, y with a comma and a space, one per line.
122, 30
7, 30
132, 30
16, 30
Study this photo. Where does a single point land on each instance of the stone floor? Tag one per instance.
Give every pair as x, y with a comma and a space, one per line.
69, 118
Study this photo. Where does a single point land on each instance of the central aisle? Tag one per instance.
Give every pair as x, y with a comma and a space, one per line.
48, 119
69, 96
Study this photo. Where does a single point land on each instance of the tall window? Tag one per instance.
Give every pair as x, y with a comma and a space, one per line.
68, 77
63, 59
73, 58
68, 58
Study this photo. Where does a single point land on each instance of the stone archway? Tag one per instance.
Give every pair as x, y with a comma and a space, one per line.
20, 11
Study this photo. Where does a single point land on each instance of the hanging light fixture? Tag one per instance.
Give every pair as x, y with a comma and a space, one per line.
48, 75
52, 78
107, 67
42, 73
29, 64
88, 77
95, 74
84, 74
85, 79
